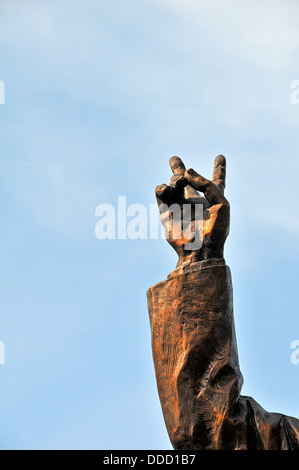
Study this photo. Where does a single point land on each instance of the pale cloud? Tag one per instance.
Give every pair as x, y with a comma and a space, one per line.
265, 33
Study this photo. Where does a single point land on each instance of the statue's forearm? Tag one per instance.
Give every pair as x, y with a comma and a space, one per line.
195, 352
197, 370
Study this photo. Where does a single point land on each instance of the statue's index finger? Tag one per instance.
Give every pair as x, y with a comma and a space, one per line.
177, 166
219, 173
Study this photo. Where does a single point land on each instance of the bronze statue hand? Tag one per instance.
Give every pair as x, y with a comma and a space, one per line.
184, 223
193, 333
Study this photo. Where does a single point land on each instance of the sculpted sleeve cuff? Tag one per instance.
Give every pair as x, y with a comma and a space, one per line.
197, 369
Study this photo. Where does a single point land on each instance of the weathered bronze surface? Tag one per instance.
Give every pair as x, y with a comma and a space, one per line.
193, 335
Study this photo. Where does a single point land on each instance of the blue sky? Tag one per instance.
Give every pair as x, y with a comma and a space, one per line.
98, 96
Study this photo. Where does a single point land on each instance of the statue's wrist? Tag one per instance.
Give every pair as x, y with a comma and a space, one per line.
194, 256
192, 266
